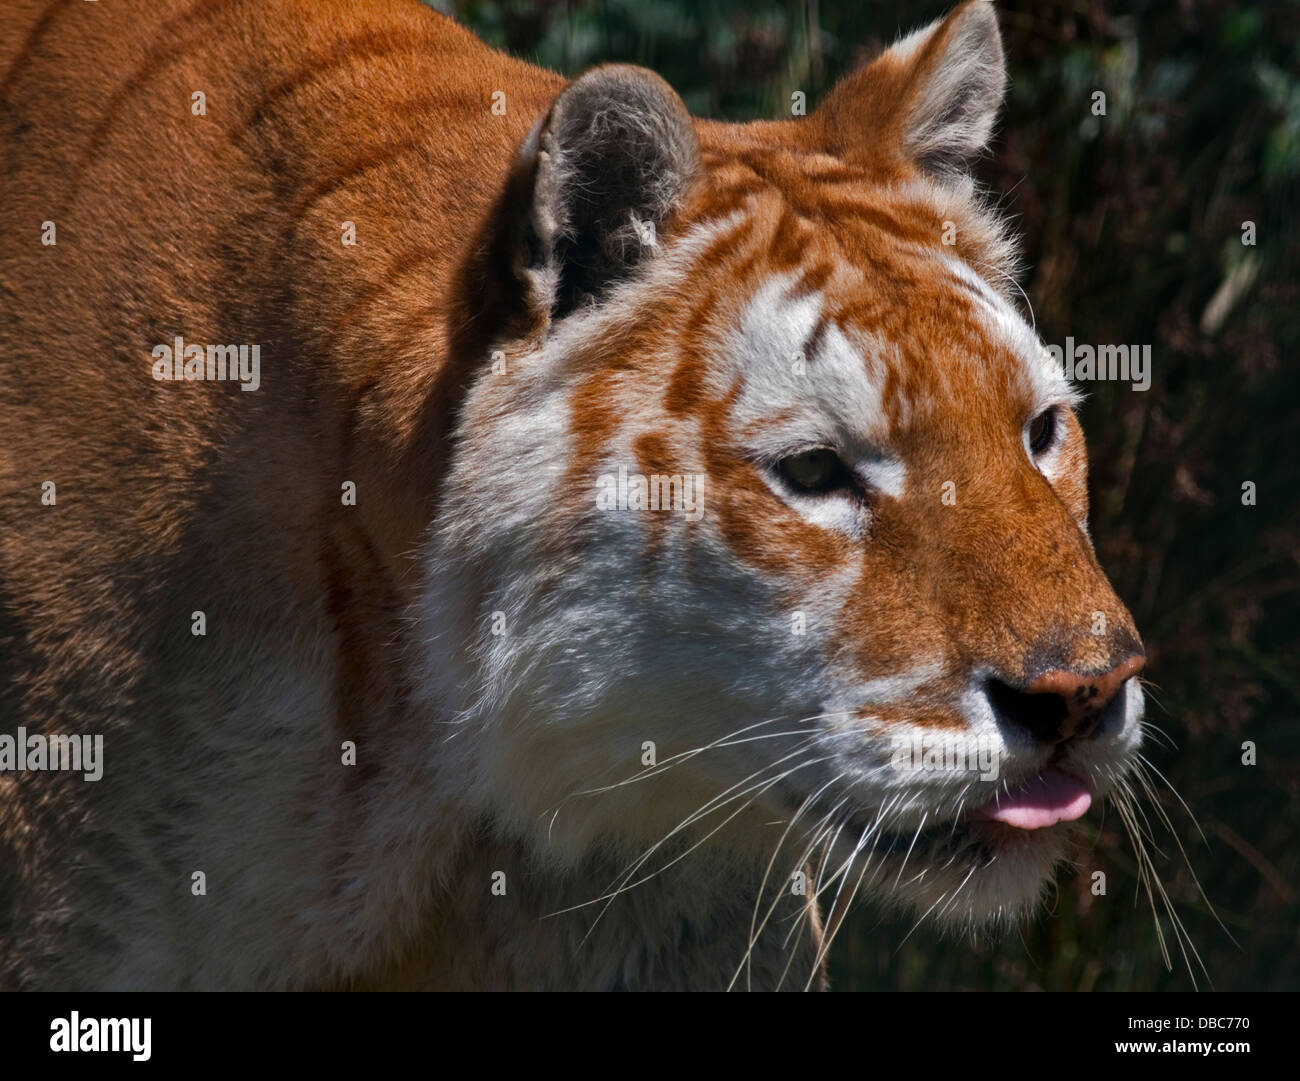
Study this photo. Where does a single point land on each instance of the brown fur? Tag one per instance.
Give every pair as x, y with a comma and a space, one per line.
179, 497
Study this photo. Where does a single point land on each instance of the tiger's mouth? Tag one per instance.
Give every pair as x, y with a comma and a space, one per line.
1050, 796
1023, 817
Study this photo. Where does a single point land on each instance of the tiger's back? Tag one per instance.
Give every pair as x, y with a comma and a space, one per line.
220, 220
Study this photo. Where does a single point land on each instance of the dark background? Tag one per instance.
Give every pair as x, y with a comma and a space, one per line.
1132, 227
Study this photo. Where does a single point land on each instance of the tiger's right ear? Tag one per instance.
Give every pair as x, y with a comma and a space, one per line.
600, 175
930, 100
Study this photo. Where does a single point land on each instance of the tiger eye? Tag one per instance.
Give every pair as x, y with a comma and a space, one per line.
816, 470
1041, 431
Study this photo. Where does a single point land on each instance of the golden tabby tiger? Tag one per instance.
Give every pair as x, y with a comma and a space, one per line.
508, 533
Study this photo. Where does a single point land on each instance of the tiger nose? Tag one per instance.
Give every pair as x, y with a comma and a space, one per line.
1060, 705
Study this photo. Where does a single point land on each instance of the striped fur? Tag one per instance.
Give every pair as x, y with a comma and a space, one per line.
588, 285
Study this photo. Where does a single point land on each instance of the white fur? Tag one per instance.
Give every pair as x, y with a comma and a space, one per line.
970, 73
607, 652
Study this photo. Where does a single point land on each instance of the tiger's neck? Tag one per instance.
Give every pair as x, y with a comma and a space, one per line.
505, 920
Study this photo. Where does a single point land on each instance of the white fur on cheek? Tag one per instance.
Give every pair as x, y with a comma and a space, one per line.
795, 395
557, 670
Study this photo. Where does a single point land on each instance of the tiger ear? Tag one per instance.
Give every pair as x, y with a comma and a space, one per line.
929, 100
604, 170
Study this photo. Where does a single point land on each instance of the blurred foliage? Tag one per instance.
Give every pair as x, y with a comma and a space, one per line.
1133, 234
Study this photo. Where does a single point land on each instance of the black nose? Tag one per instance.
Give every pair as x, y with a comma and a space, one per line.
1060, 705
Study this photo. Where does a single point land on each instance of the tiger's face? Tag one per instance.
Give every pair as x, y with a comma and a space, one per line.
768, 528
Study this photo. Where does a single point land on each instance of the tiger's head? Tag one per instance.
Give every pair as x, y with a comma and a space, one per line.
767, 524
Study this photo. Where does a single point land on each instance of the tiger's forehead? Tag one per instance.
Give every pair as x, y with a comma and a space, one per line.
861, 318
828, 311
802, 375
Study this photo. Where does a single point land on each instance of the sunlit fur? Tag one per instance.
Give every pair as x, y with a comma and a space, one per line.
506, 656
622, 629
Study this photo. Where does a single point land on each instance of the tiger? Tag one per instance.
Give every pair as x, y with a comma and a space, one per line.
507, 533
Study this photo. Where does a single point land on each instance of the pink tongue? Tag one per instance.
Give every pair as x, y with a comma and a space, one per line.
1044, 800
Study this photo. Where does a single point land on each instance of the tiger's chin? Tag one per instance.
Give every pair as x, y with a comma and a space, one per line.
973, 878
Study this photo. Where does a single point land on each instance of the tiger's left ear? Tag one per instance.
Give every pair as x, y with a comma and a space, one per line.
608, 167
600, 176
930, 100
